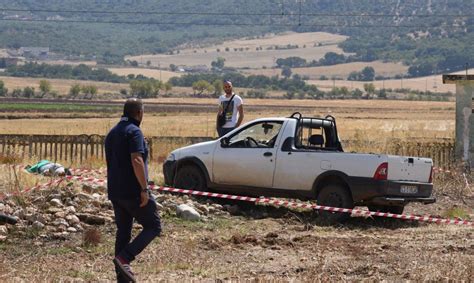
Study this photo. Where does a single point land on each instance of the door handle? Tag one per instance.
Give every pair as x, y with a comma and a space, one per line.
267, 154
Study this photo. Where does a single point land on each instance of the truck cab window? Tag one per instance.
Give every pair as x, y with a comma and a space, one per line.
261, 135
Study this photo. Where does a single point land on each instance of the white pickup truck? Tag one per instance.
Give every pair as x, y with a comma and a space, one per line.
300, 157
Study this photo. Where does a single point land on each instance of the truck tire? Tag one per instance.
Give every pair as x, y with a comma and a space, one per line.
394, 209
335, 196
190, 177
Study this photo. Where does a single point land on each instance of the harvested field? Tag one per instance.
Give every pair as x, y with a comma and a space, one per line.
340, 71
311, 46
59, 85
162, 75
365, 119
430, 83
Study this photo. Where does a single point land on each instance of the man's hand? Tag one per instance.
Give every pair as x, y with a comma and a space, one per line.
144, 197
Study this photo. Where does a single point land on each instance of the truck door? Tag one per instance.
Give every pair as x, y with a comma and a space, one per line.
248, 157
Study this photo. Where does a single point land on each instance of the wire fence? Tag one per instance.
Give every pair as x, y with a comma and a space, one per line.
78, 148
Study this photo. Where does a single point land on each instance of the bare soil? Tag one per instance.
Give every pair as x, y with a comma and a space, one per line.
261, 244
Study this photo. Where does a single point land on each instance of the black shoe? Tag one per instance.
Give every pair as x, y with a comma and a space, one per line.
124, 268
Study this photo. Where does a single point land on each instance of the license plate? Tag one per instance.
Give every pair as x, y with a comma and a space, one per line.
404, 189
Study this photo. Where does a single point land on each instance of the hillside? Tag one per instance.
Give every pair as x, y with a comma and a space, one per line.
429, 35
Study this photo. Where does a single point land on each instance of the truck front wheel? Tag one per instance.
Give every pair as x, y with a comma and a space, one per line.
335, 196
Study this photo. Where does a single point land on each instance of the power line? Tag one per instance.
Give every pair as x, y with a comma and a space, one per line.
225, 24
237, 14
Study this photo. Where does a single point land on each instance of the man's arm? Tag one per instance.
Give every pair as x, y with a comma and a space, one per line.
139, 170
241, 114
219, 112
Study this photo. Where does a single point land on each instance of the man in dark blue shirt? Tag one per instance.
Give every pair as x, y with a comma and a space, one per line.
126, 153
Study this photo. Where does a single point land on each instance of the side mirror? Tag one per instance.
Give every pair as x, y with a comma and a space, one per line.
287, 145
225, 142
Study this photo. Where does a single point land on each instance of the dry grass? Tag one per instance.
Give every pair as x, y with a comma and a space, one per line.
207, 251
338, 71
429, 83
59, 85
366, 119
91, 237
162, 75
251, 58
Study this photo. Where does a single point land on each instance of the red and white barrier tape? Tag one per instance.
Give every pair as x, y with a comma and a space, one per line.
290, 204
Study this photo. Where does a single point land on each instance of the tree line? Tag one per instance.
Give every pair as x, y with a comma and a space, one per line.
79, 72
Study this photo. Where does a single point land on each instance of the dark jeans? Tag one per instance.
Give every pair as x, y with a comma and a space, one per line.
222, 131
147, 216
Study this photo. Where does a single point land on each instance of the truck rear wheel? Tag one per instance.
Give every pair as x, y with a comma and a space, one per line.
394, 209
190, 177
335, 196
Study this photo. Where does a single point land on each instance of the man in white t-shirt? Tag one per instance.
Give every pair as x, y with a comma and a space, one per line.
234, 113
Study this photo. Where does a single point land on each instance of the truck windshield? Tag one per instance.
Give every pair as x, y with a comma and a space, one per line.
262, 134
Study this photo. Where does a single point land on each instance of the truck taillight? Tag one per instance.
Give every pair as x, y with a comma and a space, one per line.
381, 172
430, 180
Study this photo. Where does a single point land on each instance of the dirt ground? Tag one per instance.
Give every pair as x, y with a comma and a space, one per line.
260, 244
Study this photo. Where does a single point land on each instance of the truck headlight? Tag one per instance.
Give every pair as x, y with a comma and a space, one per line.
171, 157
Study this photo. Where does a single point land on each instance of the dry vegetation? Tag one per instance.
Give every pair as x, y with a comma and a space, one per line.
260, 243
340, 71
249, 56
257, 244
162, 75
366, 119
59, 85
430, 83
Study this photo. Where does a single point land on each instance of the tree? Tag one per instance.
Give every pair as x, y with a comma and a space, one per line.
382, 93
3, 90
218, 85
141, 88
332, 58
29, 92
74, 90
173, 67
17, 92
353, 76
45, 87
369, 88
367, 74
167, 86
89, 90
156, 86
219, 63
357, 93
201, 86
292, 62
286, 72
344, 91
